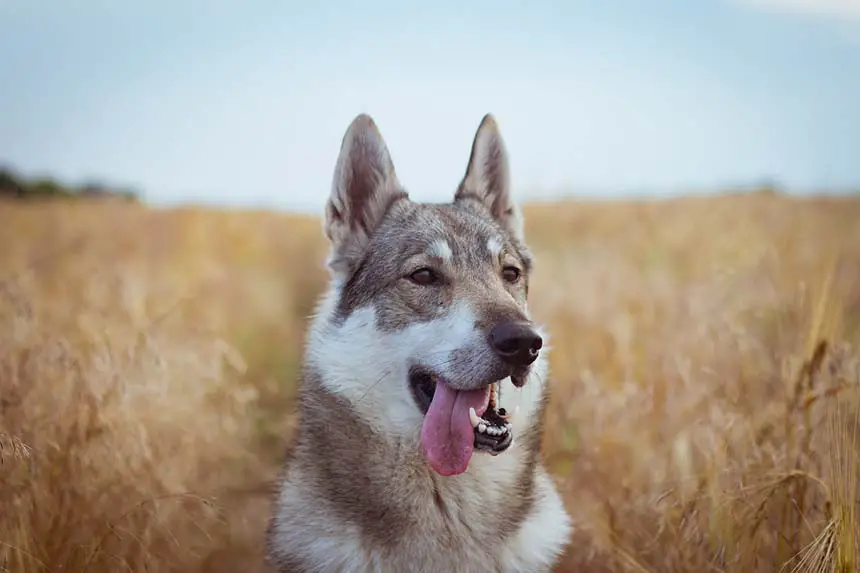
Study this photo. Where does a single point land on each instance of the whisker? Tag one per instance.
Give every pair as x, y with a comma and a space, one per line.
372, 386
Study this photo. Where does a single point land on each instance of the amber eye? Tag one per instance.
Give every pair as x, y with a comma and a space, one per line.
511, 274
424, 277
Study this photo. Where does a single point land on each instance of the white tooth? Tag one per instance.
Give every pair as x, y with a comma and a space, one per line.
482, 427
473, 417
491, 430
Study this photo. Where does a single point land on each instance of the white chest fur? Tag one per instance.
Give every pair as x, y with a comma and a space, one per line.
455, 526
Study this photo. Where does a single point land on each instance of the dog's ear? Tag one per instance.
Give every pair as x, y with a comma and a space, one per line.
487, 179
363, 187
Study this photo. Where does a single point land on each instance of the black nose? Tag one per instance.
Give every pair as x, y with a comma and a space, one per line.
516, 343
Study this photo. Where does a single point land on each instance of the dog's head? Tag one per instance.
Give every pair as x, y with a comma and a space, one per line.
426, 329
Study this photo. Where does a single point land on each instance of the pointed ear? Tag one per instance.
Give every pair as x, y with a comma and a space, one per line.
363, 188
487, 179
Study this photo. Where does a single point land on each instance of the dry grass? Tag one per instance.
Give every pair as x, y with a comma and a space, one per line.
705, 360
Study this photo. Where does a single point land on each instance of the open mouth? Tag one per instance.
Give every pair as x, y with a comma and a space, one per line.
459, 422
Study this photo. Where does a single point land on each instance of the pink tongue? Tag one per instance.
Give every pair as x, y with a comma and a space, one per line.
447, 435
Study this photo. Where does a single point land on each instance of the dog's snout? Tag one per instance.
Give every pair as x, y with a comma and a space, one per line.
516, 343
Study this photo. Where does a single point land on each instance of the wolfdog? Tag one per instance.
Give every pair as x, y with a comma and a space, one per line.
423, 386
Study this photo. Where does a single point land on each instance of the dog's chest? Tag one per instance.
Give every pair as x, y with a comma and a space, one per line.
472, 523
488, 521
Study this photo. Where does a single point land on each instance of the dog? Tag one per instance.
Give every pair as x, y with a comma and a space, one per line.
423, 388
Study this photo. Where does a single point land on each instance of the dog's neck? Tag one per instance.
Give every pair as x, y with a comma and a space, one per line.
383, 485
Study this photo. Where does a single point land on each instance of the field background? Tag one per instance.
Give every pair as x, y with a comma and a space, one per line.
705, 375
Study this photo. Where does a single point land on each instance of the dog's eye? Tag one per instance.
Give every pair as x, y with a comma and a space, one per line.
424, 277
511, 274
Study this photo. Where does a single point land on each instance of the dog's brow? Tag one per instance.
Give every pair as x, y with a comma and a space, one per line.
494, 245
440, 248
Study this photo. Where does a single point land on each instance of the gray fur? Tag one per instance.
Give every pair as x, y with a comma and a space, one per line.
357, 494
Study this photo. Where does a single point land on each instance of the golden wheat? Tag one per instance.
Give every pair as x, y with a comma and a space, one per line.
705, 413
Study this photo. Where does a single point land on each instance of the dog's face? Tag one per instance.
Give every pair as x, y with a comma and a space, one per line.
427, 319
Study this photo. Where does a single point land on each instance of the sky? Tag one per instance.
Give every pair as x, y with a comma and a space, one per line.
209, 101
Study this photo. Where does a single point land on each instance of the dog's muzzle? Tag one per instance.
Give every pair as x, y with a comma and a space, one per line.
518, 345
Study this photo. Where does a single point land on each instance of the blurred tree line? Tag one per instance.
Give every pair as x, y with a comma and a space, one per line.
16, 186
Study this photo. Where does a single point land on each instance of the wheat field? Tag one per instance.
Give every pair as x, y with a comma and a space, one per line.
705, 355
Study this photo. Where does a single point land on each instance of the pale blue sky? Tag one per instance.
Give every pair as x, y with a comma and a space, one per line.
246, 103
